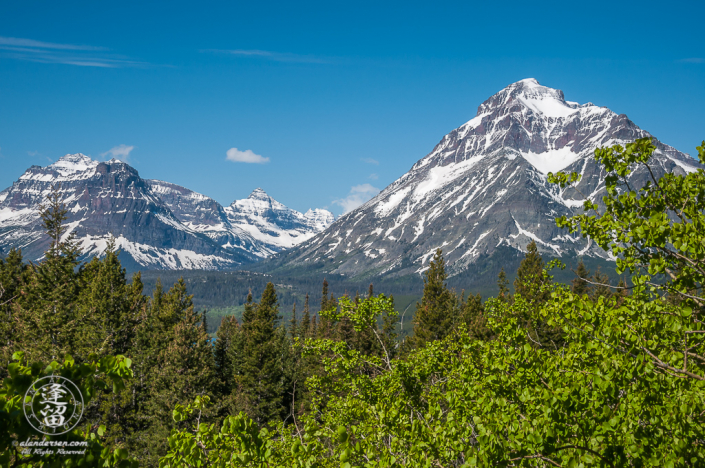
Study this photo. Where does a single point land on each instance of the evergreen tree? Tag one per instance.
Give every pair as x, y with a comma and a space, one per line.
533, 287
325, 327
113, 311
293, 325
48, 319
226, 343
437, 313
184, 368
302, 366
324, 295
260, 384
389, 329
602, 288
529, 280
474, 318
13, 275
305, 328
579, 285
622, 292
111, 306
364, 340
344, 329
249, 313
503, 285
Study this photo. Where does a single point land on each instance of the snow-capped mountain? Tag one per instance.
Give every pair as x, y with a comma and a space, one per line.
156, 224
483, 186
258, 224
274, 226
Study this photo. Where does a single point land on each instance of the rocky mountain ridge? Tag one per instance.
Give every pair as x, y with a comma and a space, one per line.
482, 189
156, 224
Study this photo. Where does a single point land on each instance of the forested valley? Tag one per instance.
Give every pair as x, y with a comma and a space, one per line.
595, 373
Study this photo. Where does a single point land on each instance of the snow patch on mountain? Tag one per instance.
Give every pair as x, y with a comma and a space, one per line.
273, 224
158, 224
553, 160
153, 257
484, 185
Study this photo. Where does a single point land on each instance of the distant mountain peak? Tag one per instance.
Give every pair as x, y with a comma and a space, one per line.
75, 158
528, 93
258, 194
156, 224
527, 83
71, 163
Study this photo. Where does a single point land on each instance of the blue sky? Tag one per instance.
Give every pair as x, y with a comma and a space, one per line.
320, 103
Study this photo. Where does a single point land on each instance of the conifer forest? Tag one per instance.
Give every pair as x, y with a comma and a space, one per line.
596, 372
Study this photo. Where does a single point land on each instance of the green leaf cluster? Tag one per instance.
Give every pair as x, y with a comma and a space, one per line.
625, 387
92, 378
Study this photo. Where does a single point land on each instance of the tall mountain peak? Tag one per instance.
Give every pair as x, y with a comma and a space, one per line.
72, 163
258, 194
529, 94
482, 189
74, 158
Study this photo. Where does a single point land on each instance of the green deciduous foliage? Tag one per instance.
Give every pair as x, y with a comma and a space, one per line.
653, 231
626, 388
92, 378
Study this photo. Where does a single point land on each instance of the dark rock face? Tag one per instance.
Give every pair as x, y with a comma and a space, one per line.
206, 216
106, 199
155, 224
189, 207
482, 187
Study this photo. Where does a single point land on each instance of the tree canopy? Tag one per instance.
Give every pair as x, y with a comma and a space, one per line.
589, 374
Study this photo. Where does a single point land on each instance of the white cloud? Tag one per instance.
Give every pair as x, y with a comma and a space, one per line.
121, 152
358, 195
370, 161
373, 176
692, 60
246, 156
69, 54
268, 55
19, 42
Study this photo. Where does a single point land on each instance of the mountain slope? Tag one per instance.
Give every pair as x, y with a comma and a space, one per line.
156, 224
274, 226
481, 189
